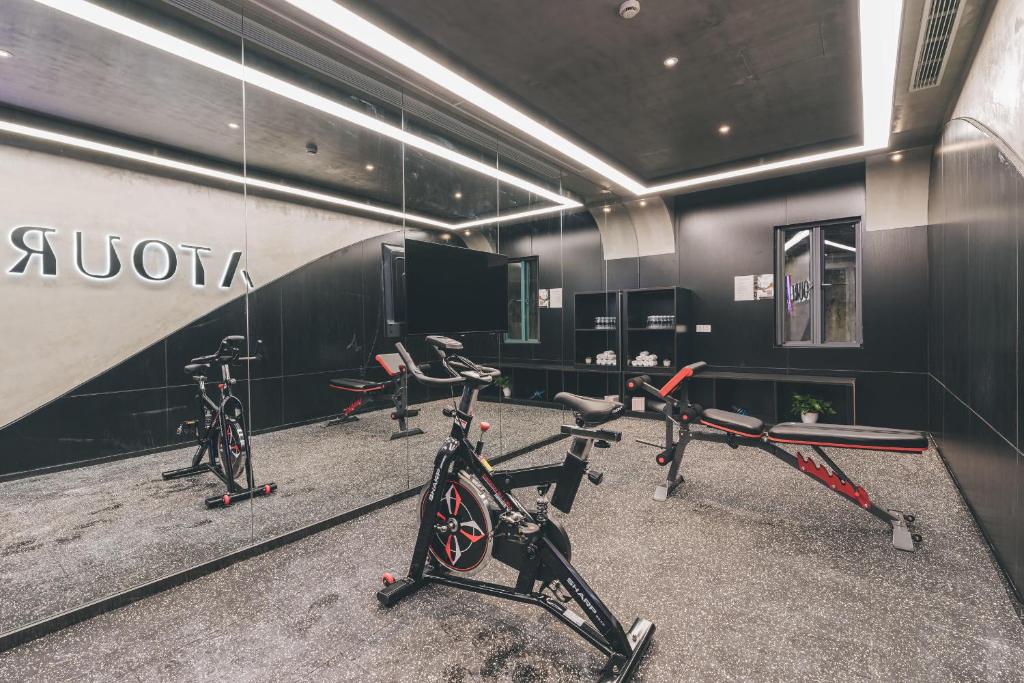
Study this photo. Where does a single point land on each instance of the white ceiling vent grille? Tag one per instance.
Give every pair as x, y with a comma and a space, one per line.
938, 26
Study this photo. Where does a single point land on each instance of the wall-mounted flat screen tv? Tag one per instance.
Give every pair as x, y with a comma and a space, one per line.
451, 289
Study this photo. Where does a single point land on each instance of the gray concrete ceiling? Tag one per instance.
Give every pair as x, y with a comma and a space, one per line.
783, 74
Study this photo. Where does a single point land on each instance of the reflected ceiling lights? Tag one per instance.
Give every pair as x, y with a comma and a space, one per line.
879, 41
796, 239
233, 126
724, 129
195, 169
148, 35
4, 54
670, 62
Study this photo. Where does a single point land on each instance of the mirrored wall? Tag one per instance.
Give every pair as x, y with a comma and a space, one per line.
209, 225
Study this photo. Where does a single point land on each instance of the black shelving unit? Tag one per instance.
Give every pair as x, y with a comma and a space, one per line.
673, 343
588, 340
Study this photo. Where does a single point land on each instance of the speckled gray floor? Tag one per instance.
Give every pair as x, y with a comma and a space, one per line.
71, 537
750, 572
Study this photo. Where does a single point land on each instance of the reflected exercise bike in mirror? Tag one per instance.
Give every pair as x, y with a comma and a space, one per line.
468, 513
219, 427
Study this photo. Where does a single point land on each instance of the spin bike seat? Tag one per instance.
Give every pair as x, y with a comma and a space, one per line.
194, 369
592, 411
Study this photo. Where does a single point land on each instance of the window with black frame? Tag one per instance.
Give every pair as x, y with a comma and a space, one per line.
817, 276
523, 298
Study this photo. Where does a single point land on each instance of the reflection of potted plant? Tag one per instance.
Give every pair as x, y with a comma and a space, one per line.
809, 408
502, 381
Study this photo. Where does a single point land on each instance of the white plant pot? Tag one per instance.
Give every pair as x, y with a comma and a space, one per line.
809, 418
507, 391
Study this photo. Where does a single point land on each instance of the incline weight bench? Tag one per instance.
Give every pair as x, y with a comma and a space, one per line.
396, 386
735, 430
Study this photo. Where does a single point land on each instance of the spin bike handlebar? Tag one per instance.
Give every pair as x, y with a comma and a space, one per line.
230, 350
449, 364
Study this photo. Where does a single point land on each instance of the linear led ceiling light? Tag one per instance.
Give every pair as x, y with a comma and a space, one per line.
879, 43
163, 41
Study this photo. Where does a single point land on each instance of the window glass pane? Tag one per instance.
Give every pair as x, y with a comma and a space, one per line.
532, 331
798, 294
839, 283
515, 301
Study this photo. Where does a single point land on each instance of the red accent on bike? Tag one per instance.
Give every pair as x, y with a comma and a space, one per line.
448, 550
826, 444
386, 367
831, 480
220, 386
458, 500
484, 426
662, 460
266, 489
674, 382
351, 408
630, 386
227, 500
473, 538
388, 579
440, 516
686, 417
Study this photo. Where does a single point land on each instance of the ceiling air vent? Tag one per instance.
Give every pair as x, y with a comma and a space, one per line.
938, 26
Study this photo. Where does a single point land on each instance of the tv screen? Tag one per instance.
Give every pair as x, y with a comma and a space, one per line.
452, 289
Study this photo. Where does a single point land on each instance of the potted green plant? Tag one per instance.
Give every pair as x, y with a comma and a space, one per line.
502, 382
809, 408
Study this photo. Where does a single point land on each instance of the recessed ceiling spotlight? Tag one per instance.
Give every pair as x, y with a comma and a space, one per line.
724, 129
370, 167
465, 232
445, 236
233, 126
607, 209
4, 54
457, 195
643, 202
670, 62
898, 156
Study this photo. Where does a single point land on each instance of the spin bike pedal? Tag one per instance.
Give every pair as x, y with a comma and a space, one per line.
595, 477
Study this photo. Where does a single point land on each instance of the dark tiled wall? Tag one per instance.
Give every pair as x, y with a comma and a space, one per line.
976, 216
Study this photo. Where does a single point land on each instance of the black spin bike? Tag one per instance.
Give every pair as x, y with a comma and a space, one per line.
220, 427
468, 513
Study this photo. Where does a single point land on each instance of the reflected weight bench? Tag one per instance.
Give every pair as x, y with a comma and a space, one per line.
735, 430
364, 392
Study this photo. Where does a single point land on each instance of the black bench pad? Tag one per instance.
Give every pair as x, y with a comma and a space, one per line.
744, 425
849, 436
593, 411
356, 385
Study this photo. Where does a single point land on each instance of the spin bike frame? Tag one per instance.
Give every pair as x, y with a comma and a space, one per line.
212, 421
603, 631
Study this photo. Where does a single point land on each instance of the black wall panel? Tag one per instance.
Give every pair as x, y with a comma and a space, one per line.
976, 216
729, 232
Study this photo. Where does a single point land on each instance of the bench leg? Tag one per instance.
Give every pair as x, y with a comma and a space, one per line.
673, 479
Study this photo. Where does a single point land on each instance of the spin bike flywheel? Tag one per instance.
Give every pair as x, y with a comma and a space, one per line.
231, 445
467, 531
461, 541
